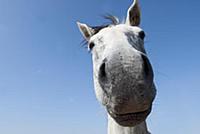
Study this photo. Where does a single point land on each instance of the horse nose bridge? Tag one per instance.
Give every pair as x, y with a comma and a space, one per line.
124, 60
122, 55
119, 49
121, 67
127, 61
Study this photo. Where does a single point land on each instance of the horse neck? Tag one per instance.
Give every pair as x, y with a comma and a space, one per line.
114, 128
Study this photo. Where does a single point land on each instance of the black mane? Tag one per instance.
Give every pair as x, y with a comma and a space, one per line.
114, 21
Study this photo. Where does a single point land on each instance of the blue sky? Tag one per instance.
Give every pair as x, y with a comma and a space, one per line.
46, 82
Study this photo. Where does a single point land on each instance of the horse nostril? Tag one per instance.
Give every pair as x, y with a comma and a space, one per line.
103, 78
147, 67
102, 70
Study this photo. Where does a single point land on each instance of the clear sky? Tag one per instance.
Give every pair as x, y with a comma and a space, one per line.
46, 82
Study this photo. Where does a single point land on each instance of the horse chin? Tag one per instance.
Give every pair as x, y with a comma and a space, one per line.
130, 119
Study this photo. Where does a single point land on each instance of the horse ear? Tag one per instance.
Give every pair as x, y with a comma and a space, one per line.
133, 14
87, 31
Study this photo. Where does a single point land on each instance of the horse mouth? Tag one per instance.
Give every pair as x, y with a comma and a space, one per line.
130, 119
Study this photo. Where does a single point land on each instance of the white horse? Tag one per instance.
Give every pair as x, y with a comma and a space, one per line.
123, 76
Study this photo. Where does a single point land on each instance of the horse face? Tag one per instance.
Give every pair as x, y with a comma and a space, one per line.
123, 76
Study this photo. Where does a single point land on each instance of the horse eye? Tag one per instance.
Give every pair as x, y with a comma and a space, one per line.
91, 45
142, 35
